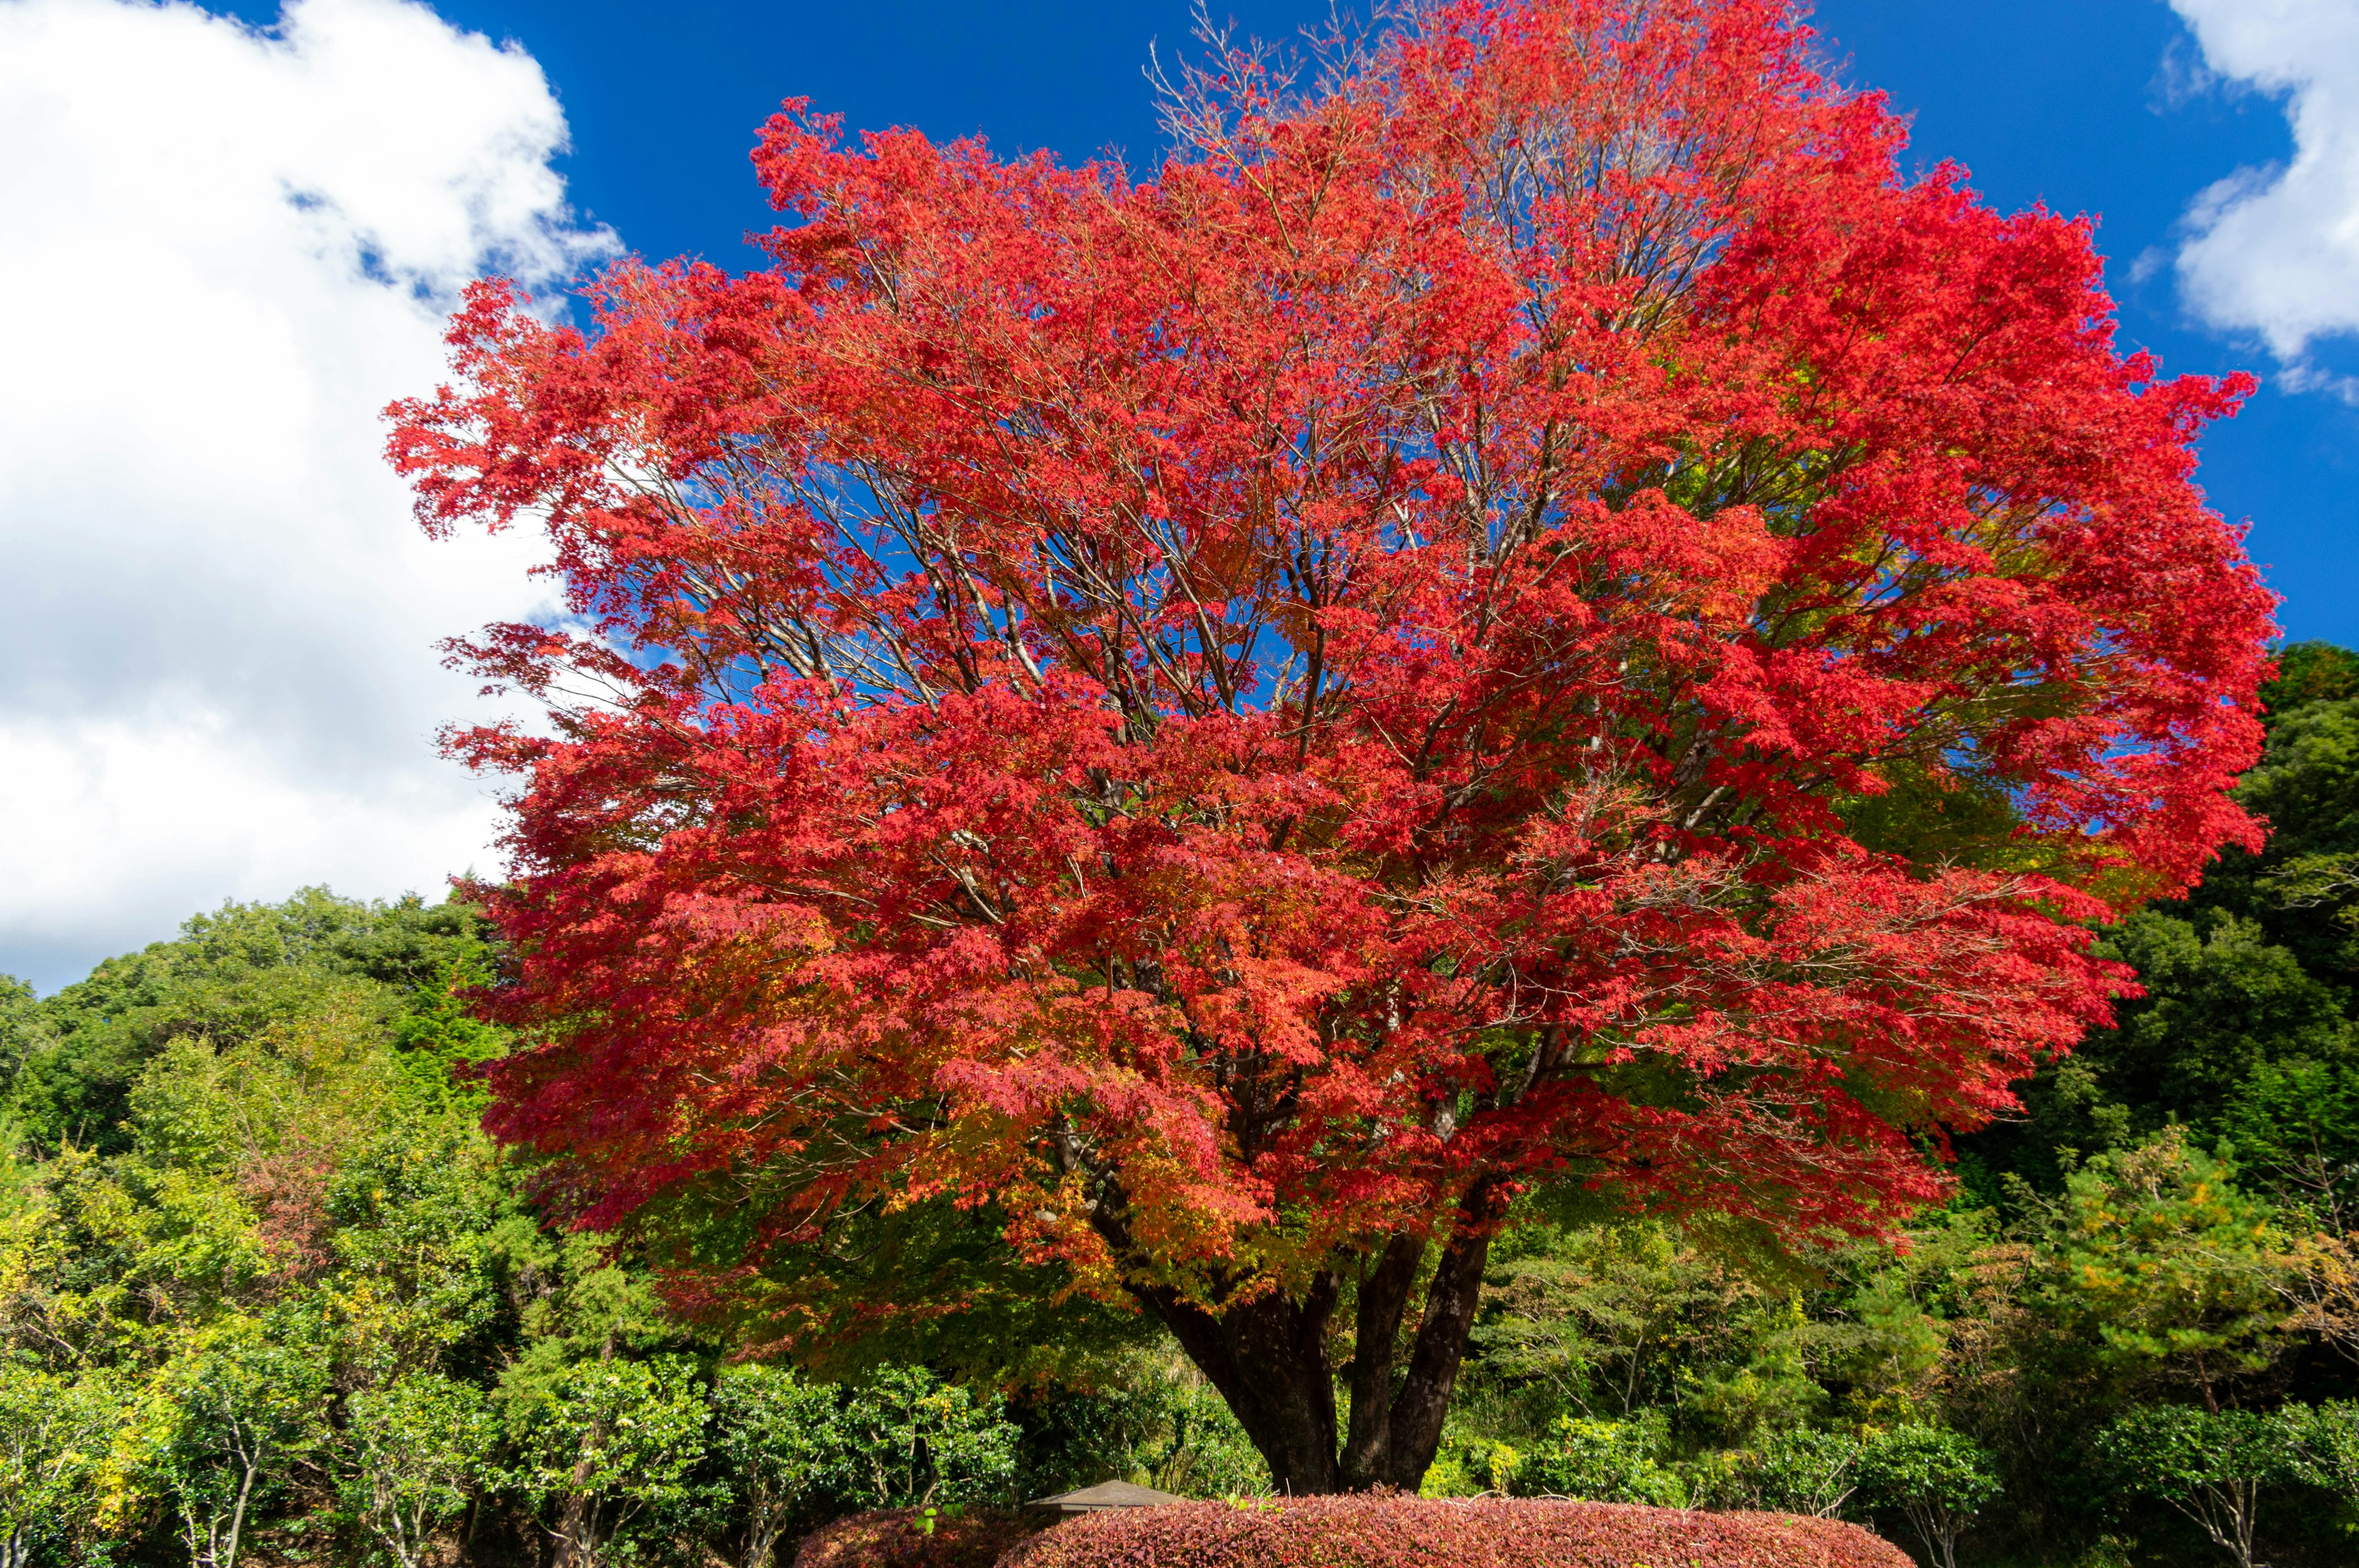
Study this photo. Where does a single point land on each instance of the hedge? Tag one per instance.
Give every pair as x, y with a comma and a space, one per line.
895, 1538
1432, 1533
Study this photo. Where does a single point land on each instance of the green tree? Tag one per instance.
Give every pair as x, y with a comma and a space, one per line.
777, 1439
1805, 1471
2304, 884
2296, 1123
418, 1213
909, 1439
607, 1443
1598, 1317
19, 1025
52, 1434
70, 1060
416, 1446
2324, 1441
2221, 1000
1935, 1479
2159, 1270
2211, 1466
236, 1404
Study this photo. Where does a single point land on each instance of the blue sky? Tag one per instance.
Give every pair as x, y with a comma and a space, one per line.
2085, 105
226, 233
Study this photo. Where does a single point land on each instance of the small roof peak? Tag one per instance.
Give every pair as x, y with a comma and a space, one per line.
1106, 1495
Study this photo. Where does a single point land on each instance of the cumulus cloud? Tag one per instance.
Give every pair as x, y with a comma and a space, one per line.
222, 252
2274, 251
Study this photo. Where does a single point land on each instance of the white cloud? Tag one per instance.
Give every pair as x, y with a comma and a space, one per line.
2276, 251
222, 253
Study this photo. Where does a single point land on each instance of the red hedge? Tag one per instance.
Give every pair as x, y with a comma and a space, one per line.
1421, 1533
891, 1538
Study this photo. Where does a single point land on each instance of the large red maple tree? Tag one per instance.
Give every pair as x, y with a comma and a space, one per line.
1527, 611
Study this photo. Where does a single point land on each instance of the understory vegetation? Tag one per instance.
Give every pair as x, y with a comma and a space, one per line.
267, 1293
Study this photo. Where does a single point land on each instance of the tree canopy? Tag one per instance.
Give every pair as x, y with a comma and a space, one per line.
1524, 611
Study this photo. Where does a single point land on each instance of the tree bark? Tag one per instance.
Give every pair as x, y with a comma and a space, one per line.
1423, 1401
572, 1516
1267, 1357
1384, 1299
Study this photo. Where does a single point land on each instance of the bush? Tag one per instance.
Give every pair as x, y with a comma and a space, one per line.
917, 1538
2324, 1444
2211, 1466
1153, 1424
774, 1441
906, 1437
1464, 1468
1804, 1471
1938, 1480
1604, 1462
1426, 1532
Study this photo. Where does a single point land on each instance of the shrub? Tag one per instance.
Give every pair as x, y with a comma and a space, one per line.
906, 1437
917, 1538
1805, 1471
1426, 1532
1605, 1462
775, 1439
2211, 1466
417, 1445
1157, 1425
2324, 1444
1937, 1479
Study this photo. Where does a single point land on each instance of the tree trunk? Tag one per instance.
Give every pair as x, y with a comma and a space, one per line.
763, 1529
574, 1513
1267, 1357
576, 1526
251, 1471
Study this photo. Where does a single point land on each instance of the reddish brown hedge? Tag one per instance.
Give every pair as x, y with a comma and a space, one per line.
1421, 1532
891, 1538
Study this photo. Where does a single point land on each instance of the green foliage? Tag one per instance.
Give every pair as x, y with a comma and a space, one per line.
608, 1446
2164, 1272
2322, 1445
1605, 1462
1151, 1421
1804, 1470
930, 1283
2310, 672
909, 1440
1936, 1478
234, 978
2303, 884
1598, 1319
18, 1015
241, 1398
1199, 1450
775, 1436
2212, 1465
2222, 1000
2296, 1123
53, 1438
418, 1446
